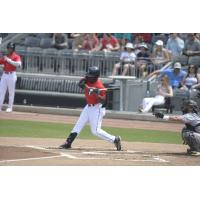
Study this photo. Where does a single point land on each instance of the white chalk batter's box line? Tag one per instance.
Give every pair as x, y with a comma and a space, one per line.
103, 152
69, 156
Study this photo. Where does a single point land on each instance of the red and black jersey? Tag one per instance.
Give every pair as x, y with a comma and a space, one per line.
93, 98
7, 66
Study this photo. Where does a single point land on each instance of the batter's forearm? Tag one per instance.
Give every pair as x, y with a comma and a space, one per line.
14, 63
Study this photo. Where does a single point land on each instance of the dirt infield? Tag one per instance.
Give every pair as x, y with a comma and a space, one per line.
43, 152
37, 151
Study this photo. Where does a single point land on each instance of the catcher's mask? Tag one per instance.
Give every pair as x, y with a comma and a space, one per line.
189, 106
93, 74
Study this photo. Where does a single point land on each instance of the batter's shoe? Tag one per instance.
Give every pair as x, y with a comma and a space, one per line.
8, 110
69, 140
117, 143
65, 146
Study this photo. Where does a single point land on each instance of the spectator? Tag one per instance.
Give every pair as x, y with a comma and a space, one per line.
78, 39
163, 90
192, 45
192, 79
60, 40
160, 55
144, 37
123, 39
127, 60
121, 36
90, 42
175, 75
143, 59
108, 43
175, 44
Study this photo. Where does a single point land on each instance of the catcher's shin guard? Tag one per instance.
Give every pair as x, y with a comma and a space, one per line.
69, 141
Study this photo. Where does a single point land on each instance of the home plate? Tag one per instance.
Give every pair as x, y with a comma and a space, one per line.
93, 153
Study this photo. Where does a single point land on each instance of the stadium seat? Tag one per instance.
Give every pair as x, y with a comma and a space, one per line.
32, 42
167, 106
194, 60
20, 48
50, 51
46, 43
43, 35
182, 59
34, 50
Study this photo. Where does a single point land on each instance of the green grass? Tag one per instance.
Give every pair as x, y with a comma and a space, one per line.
15, 128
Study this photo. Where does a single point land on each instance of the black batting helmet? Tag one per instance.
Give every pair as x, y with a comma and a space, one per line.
11, 45
93, 74
189, 104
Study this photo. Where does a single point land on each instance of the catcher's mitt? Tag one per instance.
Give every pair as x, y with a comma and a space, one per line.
159, 115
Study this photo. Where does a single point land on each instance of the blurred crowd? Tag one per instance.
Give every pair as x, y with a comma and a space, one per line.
141, 51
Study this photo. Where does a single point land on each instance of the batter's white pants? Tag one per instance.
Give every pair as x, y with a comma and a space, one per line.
147, 103
8, 81
93, 115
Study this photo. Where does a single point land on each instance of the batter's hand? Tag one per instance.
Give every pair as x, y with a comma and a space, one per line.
82, 83
93, 91
159, 115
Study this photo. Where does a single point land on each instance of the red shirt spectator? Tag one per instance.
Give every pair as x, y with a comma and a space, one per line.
109, 42
145, 36
90, 41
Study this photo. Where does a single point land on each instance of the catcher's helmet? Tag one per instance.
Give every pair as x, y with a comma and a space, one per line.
11, 45
189, 104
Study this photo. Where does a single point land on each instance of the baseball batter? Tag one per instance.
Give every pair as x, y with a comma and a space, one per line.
191, 131
93, 112
8, 80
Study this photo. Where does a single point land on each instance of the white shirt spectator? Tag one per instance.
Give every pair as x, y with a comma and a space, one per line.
128, 56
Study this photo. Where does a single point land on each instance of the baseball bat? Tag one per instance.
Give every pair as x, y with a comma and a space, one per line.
102, 89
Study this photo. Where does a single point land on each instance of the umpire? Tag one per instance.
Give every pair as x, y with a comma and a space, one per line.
191, 131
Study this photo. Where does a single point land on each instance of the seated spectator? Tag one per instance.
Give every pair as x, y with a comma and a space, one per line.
192, 79
143, 58
175, 44
160, 55
192, 45
60, 40
143, 37
163, 90
90, 42
78, 39
108, 43
123, 39
175, 75
127, 60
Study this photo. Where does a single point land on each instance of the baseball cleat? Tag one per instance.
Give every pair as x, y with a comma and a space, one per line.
193, 153
8, 110
117, 143
65, 146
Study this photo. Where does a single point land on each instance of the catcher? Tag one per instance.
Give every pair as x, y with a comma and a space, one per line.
93, 112
191, 131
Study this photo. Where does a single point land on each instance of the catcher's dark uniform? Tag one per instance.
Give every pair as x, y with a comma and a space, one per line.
191, 131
